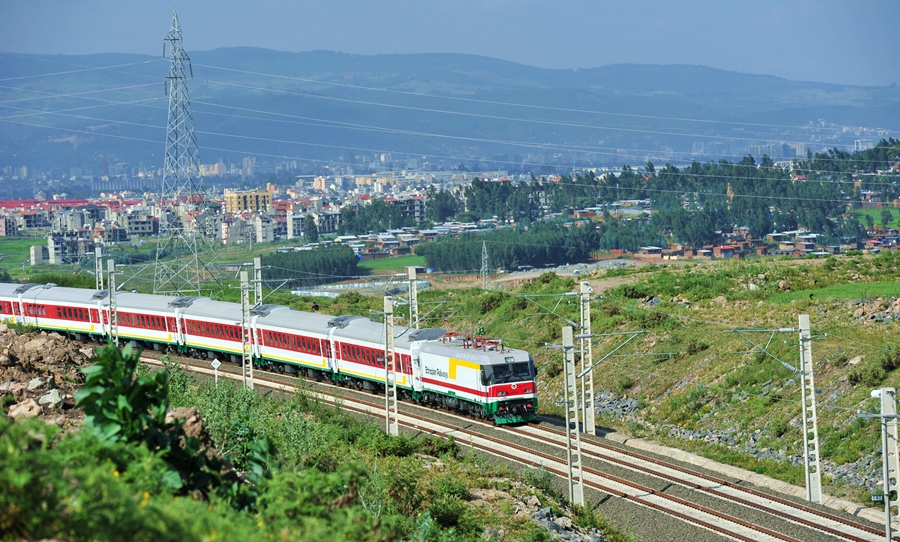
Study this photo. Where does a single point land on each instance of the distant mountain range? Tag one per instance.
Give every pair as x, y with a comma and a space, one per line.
444, 109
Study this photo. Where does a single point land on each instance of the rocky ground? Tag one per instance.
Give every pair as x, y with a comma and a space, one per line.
39, 374
864, 472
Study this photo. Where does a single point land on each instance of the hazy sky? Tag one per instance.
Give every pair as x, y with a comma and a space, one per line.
854, 42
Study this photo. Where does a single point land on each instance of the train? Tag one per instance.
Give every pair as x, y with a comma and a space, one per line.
435, 367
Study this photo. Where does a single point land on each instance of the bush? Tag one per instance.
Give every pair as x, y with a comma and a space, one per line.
868, 375
632, 291
695, 347
624, 384
889, 360
491, 301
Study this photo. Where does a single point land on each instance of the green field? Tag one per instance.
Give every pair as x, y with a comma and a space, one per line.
396, 264
16, 250
864, 290
876, 216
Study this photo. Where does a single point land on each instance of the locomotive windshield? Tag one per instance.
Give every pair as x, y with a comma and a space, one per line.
510, 372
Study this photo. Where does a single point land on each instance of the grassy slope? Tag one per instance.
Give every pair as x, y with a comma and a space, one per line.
713, 380
687, 372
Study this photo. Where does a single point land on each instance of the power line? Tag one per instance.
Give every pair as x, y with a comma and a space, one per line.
340, 124
509, 104
273, 140
52, 74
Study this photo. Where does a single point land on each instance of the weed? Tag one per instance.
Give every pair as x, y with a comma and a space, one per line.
624, 384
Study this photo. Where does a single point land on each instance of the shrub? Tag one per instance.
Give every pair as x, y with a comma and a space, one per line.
695, 347
868, 375
632, 291
553, 368
491, 301
889, 360
624, 384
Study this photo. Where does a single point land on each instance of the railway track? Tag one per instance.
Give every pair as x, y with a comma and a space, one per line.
673, 502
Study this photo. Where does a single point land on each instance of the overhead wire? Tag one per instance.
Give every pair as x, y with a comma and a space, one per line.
476, 115
322, 145
543, 147
493, 102
90, 69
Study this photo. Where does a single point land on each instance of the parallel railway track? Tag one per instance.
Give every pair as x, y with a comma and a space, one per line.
715, 508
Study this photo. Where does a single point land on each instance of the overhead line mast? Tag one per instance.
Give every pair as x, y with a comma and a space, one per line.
185, 252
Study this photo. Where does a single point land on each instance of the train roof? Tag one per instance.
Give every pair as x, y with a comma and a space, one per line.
49, 293
205, 307
358, 328
477, 355
286, 317
135, 301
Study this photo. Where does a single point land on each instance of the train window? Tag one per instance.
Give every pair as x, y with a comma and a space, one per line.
521, 371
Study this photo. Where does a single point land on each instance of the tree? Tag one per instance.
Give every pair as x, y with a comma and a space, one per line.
441, 205
886, 217
870, 223
310, 230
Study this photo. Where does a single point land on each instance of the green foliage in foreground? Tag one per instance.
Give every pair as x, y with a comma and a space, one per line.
296, 469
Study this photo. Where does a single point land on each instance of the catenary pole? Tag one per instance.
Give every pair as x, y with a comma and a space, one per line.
391, 426
573, 454
587, 360
246, 338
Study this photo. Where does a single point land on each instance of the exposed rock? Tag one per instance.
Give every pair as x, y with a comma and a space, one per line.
52, 399
42, 367
25, 408
35, 344
36, 383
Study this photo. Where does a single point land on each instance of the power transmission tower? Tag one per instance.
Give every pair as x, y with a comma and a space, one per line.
484, 266
185, 229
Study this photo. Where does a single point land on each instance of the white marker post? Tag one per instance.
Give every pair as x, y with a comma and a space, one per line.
215, 365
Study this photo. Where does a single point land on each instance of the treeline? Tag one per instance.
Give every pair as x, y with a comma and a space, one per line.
311, 267
543, 244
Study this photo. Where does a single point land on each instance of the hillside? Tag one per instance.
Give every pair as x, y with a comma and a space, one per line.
311, 94
690, 384
686, 382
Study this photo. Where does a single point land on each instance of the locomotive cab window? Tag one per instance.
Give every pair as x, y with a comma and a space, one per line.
503, 373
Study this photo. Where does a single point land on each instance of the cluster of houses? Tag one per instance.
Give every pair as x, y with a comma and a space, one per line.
738, 244
73, 228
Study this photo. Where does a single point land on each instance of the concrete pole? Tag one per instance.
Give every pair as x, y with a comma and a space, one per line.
246, 354
587, 360
113, 309
573, 455
98, 266
810, 426
257, 281
889, 471
391, 424
413, 299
